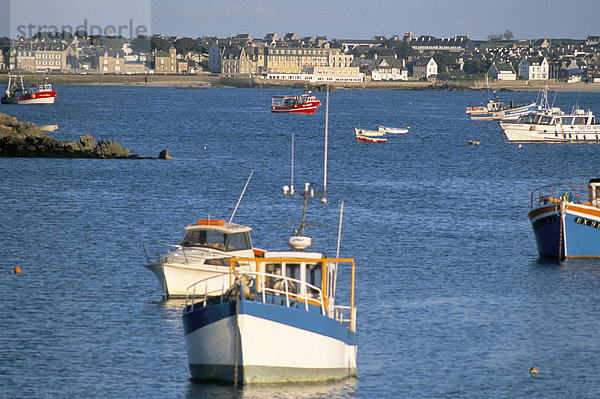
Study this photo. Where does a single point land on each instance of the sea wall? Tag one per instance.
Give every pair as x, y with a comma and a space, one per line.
207, 80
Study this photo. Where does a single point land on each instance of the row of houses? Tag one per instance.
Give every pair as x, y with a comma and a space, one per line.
285, 62
52, 55
316, 58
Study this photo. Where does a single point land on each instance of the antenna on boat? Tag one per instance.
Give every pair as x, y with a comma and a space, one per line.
241, 195
337, 252
292, 180
301, 241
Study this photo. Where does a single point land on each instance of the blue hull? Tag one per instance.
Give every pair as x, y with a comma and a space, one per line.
578, 238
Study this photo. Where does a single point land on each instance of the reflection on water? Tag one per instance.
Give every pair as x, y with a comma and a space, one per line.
340, 389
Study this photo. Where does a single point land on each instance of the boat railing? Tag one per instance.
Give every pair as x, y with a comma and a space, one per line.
261, 286
258, 287
345, 314
546, 195
199, 294
168, 252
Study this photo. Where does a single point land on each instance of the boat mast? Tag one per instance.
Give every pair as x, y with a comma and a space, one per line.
326, 133
292, 180
241, 195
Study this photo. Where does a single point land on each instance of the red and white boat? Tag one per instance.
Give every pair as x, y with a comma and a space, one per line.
370, 139
18, 93
304, 104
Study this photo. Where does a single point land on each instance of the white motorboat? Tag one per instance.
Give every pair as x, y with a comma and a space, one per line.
368, 132
393, 130
553, 126
49, 128
203, 252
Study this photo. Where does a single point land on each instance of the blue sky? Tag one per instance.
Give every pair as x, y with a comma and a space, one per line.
333, 18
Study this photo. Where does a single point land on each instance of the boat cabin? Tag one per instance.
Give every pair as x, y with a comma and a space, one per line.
43, 87
579, 118
307, 275
217, 234
594, 185
284, 101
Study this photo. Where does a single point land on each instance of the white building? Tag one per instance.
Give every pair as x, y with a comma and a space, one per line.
388, 68
534, 68
502, 71
424, 67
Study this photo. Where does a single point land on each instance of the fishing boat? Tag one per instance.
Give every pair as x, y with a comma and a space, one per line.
282, 321
495, 109
306, 103
505, 114
566, 220
19, 93
204, 251
370, 139
553, 127
394, 130
490, 106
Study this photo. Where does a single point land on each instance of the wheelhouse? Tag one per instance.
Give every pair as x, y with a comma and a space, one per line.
224, 237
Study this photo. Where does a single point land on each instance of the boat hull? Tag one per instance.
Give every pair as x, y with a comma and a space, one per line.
370, 139
505, 114
175, 278
44, 98
275, 344
394, 130
577, 235
523, 132
302, 108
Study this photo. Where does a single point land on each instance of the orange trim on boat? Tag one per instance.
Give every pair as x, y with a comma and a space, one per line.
211, 222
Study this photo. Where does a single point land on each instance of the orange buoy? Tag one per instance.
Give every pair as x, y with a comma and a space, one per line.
16, 270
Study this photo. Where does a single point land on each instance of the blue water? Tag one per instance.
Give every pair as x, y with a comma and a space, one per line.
453, 301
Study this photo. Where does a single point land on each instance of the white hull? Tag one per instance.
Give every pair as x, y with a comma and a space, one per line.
175, 278
394, 130
550, 133
265, 352
368, 133
39, 101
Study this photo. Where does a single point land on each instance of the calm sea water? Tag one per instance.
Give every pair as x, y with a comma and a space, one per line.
453, 301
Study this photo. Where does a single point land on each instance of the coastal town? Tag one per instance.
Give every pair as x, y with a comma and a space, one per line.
310, 59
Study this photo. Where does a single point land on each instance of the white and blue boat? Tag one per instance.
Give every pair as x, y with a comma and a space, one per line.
566, 220
505, 114
278, 323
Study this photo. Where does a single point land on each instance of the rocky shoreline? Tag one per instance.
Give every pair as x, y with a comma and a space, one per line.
27, 140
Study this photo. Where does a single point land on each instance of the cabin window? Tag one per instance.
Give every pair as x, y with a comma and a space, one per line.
545, 120
313, 274
567, 120
238, 241
536, 119
204, 238
580, 120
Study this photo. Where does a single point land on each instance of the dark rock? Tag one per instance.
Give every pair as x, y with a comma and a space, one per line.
88, 142
164, 154
24, 139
